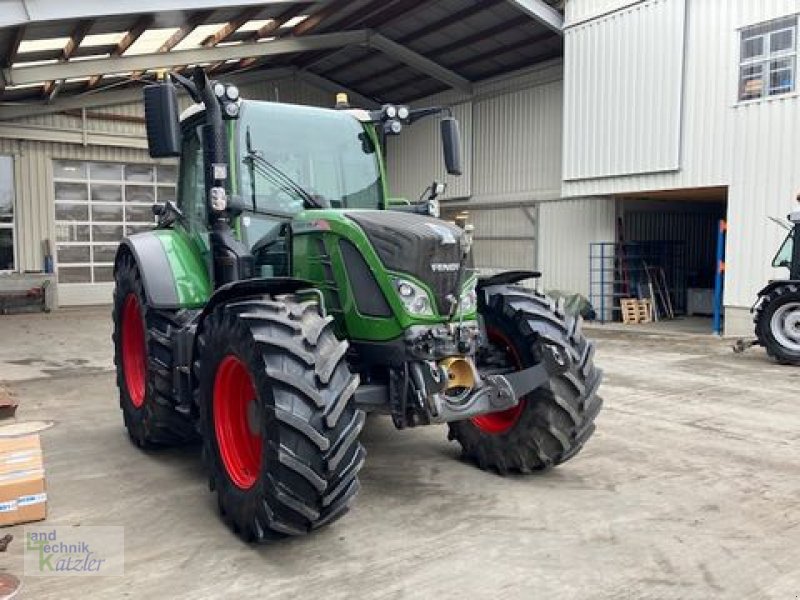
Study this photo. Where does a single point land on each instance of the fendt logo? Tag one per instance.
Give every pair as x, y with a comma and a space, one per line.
444, 267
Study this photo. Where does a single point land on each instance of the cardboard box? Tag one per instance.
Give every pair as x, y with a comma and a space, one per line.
8, 404
23, 495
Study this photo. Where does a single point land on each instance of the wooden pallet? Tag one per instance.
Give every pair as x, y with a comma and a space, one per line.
636, 311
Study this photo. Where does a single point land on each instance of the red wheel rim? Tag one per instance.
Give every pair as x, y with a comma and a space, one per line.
502, 421
134, 351
234, 408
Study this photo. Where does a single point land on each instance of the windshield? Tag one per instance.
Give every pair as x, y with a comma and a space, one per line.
304, 151
784, 256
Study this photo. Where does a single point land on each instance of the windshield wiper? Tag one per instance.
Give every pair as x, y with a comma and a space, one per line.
272, 171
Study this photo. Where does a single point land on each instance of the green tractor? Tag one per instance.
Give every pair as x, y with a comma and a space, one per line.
285, 295
777, 310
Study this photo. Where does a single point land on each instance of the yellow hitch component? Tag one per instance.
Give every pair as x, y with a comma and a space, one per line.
459, 372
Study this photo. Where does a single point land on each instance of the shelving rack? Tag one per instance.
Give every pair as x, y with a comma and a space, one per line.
618, 270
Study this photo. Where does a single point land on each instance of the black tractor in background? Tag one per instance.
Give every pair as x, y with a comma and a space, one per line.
777, 310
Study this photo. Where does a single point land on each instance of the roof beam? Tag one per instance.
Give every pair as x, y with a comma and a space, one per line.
542, 12
270, 28
176, 38
231, 26
19, 12
11, 53
463, 42
420, 63
325, 12
51, 88
228, 30
114, 97
135, 32
143, 62
371, 18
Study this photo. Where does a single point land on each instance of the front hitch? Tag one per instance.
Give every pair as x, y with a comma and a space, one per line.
495, 393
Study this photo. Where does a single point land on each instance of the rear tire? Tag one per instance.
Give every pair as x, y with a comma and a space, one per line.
144, 362
280, 428
778, 324
551, 424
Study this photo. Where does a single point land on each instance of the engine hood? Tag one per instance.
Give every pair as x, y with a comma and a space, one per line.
422, 246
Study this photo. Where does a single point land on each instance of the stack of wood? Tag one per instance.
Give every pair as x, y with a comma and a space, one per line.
636, 311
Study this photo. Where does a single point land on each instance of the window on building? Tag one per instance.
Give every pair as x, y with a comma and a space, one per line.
96, 205
7, 262
768, 59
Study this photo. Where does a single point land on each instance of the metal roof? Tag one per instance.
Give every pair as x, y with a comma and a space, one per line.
386, 50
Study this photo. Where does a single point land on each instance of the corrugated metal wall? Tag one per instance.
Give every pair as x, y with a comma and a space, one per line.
567, 227
751, 147
511, 137
623, 76
581, 10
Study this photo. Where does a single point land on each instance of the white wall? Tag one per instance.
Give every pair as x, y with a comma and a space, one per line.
751, 147
566, 228
623, 76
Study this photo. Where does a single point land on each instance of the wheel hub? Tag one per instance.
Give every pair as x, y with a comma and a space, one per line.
785, 326
237, 423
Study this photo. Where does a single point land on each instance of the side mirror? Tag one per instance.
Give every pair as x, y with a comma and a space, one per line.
451, 145
162, 120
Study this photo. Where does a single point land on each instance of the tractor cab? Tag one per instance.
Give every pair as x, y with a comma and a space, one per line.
786, 253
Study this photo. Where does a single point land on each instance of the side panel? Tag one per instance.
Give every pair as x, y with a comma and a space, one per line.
172, 268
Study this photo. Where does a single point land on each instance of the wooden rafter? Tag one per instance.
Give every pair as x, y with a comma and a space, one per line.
227, 30
194, 20
50, 88
319, 16
269, 29
134, 33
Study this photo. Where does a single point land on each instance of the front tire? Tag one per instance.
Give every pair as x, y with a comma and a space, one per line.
144, 362
551, 424
778, 324
280, 428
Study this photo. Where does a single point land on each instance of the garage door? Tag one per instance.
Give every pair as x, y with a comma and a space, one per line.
96, 205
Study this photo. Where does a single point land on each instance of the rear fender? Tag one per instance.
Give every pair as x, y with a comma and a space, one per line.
766, 290
507, 278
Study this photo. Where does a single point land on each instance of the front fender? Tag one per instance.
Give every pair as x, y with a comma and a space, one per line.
173, 271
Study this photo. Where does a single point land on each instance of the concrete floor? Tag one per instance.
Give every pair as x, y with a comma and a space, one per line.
689, 489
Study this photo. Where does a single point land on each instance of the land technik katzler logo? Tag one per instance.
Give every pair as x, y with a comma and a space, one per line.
67, 550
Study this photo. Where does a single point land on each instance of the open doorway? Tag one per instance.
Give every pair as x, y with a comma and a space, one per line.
667, 254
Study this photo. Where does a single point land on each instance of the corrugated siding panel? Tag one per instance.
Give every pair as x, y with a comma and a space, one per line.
566, 228
581, 10
511, 137
414, 158
518, 142
623, 92
505, 238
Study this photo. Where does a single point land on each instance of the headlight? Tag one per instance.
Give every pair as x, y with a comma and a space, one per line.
414, 298
469, 298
